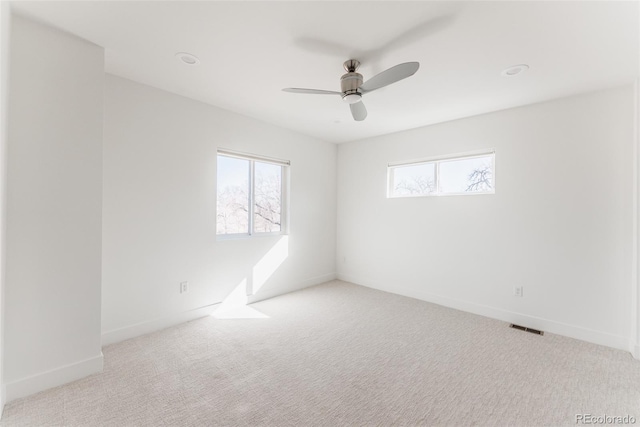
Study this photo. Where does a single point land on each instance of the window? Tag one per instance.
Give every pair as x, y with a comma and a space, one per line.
465, 174
251, 193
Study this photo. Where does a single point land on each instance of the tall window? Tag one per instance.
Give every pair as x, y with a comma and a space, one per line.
465, 174
251, 193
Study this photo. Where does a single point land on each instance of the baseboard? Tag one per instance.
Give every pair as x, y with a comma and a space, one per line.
547, 325
281, 290
142, 328
53, 378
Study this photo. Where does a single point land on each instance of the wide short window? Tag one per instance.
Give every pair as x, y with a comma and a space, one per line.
464, 174
251, 195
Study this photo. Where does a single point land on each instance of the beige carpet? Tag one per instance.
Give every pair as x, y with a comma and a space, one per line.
343, 355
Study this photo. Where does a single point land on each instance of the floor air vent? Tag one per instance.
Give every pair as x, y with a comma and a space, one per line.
523, 328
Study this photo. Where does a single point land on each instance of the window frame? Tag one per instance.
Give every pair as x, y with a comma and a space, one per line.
284, 195
437, 160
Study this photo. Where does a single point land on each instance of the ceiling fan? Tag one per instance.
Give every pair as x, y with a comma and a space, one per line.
352, 87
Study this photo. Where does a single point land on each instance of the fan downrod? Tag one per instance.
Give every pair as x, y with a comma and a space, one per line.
351, 65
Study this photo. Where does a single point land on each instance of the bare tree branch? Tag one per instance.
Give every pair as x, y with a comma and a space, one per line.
417, 185
480, 179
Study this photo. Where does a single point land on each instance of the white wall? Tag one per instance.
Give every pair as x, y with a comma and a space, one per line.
54, 192
5, 36
635, 294
159, 212
560, 223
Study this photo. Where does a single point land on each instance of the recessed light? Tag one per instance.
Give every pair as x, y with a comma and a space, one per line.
515, 70
187, 58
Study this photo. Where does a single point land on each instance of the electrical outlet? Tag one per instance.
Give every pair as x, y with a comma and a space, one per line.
184, 287
518, 291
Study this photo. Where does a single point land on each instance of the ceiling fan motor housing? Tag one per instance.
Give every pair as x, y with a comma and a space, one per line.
349, 85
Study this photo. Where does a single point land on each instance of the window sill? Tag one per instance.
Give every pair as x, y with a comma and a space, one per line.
223, 237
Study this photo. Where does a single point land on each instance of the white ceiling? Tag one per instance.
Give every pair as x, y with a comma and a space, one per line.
249, 51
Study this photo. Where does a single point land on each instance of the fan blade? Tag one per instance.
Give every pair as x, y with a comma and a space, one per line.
311, 91
392, 75
324, 47
413, 35
358, 111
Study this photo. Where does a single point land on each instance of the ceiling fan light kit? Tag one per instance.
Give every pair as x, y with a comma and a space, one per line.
352, 98
352, 86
